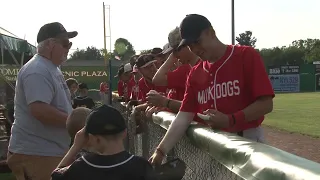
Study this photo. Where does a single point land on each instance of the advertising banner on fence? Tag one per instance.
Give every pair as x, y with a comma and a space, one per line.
285, 82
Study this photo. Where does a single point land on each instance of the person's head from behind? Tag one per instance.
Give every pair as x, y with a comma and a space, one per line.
83, 89
72, 84
53, 42
183, 53
197, 33
77, 120
146, 66
106, 130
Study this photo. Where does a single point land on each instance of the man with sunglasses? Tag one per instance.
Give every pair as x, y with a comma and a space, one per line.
231, 86
39, 137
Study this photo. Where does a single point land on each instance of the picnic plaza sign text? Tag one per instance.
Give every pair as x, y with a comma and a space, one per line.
10, 73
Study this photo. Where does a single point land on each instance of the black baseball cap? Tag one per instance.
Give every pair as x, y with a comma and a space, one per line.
191, 28
156, 51
145, 60
83, 86
54, 30
105, 120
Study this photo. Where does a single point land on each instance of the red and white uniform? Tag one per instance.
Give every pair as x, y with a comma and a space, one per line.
228, 85
176, 81
135, 92
124, 89
145, 86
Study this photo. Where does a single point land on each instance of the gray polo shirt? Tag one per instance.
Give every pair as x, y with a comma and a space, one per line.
39, 80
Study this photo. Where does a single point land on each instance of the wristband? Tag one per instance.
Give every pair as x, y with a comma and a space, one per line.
239, 118
161, 152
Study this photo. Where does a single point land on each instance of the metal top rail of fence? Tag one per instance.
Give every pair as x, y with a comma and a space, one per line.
211, 154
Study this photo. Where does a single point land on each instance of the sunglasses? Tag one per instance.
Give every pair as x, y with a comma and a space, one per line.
65, 43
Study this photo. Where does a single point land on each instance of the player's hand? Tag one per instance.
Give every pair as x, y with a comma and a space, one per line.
81, 139
217, 119
157, 100
156, 159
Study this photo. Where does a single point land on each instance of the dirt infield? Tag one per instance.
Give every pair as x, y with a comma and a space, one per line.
298, 144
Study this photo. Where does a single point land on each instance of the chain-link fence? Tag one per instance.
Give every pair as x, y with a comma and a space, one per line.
200, 165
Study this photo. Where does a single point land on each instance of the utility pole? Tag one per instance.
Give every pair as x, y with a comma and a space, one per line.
232, 23
105, 48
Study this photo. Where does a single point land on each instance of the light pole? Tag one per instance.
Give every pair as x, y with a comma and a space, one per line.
232, 22
105, 48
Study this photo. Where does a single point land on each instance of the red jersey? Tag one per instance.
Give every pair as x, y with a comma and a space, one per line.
103, 87
145, 86
177, 81
229, 85
124, 89
135, 90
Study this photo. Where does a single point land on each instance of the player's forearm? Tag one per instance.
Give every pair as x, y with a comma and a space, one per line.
176, 130
174, 105
70, 157
160, 78
48, 114
260, 107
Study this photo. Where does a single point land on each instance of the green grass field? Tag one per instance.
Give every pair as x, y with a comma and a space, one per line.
296, 112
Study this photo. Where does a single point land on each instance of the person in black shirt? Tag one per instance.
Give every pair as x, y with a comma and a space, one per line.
83, 100
103, 133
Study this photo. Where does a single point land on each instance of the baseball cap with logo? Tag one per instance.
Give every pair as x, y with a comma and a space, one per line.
191, 28
145, 60
54, 30
174, 39
105, 120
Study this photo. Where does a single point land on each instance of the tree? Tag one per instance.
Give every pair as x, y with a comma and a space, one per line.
90, 53
246, 39
123, 49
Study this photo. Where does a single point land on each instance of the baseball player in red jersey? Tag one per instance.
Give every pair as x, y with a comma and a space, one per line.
231, 86
126, 82
175, 80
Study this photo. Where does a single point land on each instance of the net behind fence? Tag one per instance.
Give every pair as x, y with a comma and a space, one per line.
200, 165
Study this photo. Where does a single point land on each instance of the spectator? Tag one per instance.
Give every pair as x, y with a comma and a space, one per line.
75, 122
83, 100
175, 80
104, 90
125, 81
42, 103
104, 132
73, 87
231, 87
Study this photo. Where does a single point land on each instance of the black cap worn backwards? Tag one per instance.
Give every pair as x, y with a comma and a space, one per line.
54, 30
191, 28
145, 60
105, 120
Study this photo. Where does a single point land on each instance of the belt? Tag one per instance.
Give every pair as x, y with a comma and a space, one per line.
240, 133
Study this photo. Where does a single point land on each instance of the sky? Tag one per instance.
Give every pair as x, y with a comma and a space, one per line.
147, 23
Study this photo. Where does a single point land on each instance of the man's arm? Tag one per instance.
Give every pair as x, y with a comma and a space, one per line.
70, 157
160, 78
39, 93
176, 130
262, 106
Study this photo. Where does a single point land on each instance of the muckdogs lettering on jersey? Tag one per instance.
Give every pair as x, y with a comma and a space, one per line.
220, 90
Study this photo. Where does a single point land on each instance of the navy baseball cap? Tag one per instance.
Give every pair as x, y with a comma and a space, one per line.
105, 120
191, 28
54, 30
145, 60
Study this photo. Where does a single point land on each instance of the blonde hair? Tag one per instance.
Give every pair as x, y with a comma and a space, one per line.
76, 120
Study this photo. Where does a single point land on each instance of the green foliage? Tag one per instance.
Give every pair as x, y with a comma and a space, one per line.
145, 51
246, 39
